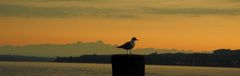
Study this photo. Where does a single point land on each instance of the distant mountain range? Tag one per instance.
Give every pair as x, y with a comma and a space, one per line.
25, 58
76, 49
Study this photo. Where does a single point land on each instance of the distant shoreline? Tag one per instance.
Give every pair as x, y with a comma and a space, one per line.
220, 58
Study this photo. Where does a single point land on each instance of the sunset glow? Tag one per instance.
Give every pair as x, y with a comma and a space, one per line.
188, 24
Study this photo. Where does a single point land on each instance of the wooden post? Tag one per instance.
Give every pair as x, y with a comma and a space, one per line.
128, 65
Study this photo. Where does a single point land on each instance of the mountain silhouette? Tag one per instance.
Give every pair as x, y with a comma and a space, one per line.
75, 49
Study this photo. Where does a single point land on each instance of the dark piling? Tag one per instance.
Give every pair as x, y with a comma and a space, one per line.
128, 65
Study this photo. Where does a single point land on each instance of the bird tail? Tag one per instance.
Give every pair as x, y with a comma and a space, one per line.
119, 47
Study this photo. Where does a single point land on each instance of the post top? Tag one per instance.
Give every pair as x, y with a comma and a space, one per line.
128, 55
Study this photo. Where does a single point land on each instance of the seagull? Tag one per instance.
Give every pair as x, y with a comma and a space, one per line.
129, 45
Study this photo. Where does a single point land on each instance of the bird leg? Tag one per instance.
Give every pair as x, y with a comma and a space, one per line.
130, 51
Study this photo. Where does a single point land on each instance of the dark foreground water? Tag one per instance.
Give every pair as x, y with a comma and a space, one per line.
83, 69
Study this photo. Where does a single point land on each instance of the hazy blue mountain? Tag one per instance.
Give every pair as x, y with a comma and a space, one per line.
75, 49
24, 58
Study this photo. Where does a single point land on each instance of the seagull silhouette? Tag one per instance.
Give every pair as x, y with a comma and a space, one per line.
129, 45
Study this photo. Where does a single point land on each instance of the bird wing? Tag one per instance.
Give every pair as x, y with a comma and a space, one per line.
127, 44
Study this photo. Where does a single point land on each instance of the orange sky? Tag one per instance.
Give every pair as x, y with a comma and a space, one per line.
183, 27
199, 33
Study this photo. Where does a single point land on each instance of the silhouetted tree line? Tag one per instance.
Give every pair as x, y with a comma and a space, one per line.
86, 59
195, 59
226, 52
219, 58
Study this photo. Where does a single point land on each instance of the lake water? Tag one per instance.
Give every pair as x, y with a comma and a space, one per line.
84, 69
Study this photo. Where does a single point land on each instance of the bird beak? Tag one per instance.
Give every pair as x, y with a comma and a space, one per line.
137, 39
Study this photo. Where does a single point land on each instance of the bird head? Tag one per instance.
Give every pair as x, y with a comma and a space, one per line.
134, 39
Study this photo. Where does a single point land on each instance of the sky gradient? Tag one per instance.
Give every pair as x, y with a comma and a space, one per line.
179, 24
